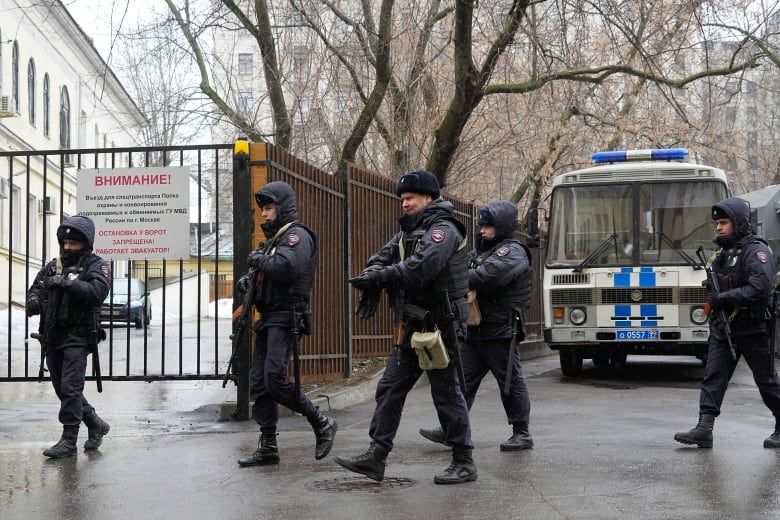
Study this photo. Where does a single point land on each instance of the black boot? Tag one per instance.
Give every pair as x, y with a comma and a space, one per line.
325, 431
266, 454
773, 441
520, 440
461, 469
66, 446
96, 429
701, 434
434, 435
371, 463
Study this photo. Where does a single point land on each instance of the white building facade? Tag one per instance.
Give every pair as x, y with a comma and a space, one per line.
56, 93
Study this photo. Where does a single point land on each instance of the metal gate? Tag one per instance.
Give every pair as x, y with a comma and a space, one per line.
183, 333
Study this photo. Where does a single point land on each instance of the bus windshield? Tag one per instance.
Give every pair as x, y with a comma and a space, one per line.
636, 223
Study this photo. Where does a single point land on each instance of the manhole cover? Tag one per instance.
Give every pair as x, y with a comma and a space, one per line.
359, 484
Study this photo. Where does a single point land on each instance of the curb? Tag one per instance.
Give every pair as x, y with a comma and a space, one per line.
346, 397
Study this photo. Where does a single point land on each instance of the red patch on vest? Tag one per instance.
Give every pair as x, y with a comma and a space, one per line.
105, 270
438, 235
503, 251
293, 239
762, 257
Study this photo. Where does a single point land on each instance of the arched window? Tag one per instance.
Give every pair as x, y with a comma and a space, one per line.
46, 97
15, 76
31, 91
64, 119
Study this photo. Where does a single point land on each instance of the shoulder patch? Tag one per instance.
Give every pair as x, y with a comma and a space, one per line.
105, 270
502, 251
438, 235
293, 239
762, 257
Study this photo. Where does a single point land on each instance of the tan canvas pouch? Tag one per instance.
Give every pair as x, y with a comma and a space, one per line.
430, 349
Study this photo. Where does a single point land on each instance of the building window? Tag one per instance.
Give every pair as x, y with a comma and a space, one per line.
31, 91
15, 77
245, 101
65, 121
16, 219
46, 104
32, 224
244, 64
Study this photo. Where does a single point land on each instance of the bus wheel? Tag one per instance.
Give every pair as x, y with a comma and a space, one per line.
618, 360
601, 360
571, 362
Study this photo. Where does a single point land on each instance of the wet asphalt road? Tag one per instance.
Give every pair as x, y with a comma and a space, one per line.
604, 450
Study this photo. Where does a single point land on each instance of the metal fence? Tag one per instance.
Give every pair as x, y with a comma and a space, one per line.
352, 215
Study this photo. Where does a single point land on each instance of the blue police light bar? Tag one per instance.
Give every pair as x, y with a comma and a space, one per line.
655, 154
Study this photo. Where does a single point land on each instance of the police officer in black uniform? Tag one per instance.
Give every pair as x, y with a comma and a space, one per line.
284, 267
500, 273
67, 293
426, 258
745, 270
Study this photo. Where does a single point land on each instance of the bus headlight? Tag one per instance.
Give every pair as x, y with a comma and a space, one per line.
577, 316
698, 316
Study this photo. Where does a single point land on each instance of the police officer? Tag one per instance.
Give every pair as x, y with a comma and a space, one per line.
67, 293
424, 260
745, 270
285, 274
500, 273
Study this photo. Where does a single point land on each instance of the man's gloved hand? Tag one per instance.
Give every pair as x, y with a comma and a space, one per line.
256, 259
243, 283
57, 281
368, 303
33, 306
715, 300
374, 277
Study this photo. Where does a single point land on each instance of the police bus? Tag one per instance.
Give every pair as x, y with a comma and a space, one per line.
622, 275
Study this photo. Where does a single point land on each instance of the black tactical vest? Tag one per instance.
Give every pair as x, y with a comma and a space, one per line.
279, 296
494, 305
453, 278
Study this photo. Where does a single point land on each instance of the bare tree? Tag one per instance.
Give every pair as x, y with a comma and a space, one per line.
579, 74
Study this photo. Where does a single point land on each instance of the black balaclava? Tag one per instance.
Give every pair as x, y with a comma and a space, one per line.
738, 211
77, 227
502, 215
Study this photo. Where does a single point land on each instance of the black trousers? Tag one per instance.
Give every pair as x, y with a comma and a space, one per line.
720, 367
269, 385
481, 356
401, 373
68, 368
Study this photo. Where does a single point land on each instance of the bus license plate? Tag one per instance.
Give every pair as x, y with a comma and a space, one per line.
636, 335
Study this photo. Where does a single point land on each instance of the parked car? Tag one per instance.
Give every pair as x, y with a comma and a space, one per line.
136, 308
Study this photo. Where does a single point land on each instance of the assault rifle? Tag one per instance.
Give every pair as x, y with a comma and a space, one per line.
713, 281
450, 317
41, 369
241, 317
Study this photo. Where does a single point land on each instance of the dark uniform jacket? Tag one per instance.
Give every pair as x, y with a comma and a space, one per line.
70, 315
500, 272
289, 256
430, 256
745, 269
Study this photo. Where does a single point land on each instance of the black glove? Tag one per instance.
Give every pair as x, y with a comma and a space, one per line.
243, 283
256, 259
33, 306
374, 278
367, 304
56, 281
715, 300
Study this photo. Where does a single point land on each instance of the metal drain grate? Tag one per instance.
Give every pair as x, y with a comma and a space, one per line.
359, 484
